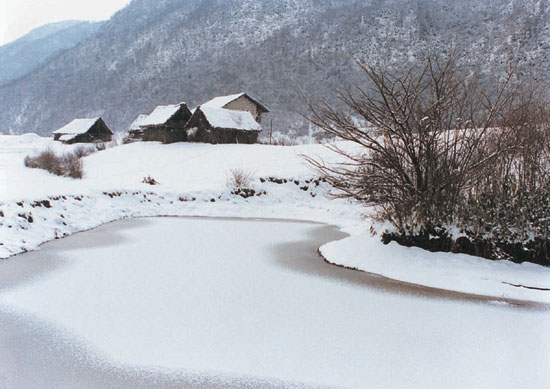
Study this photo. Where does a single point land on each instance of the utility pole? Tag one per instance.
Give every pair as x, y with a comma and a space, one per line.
271, 131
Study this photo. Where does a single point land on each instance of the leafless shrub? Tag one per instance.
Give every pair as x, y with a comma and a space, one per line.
510, 201
150, 180
83, 151
240, 178
69, 165
72, 166
424, 151
444, 152
278, 139
46, 160
30, 162
282, 140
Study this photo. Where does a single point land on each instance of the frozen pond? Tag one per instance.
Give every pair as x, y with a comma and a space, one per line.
189, 302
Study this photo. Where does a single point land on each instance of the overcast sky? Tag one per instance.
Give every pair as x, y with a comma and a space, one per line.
17, 17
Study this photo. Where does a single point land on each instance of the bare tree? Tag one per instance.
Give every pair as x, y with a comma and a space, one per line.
423, 146
510, 202
439, 151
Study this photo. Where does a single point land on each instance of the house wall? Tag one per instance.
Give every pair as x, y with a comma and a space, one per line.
180, 119
244, 104
225, 135
90, 138
222, 136
170, 132
197, 128
164, 134
100, 132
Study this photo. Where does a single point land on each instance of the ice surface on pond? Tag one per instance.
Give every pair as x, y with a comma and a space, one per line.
252, 298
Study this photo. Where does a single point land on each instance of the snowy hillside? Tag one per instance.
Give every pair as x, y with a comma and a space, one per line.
29, 52
160, 52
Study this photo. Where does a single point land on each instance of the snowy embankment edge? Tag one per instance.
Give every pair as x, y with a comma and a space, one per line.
502, 280
31, 222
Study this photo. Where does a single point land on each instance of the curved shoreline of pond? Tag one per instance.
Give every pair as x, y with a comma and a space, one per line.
449, 294
35, 353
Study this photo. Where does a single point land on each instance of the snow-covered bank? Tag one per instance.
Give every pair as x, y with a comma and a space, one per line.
26, 224
457, 272
36, 207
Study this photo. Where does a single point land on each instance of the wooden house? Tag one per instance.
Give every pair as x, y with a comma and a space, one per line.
84, 131
219, 125
135, 132
239, 102
166, 123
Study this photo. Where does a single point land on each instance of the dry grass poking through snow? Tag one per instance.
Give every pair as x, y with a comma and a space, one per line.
149, 180
240, 178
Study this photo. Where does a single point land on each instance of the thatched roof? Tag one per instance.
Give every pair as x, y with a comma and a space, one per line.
77, 126
162, 114
138, 122
222, 101
229, 119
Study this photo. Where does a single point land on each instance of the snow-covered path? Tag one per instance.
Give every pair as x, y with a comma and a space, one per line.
234, 298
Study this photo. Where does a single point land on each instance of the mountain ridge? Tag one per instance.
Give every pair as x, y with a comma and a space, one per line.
23, 55
158, 52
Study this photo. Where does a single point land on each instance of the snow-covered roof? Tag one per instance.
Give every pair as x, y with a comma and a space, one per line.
77, 126
226, 118
138, 122
67, 137
161, 114
222, 101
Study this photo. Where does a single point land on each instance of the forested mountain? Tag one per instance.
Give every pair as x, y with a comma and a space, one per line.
164, 51
40, 45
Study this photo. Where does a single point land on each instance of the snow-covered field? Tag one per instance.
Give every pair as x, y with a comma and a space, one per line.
36, 207
229, 298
